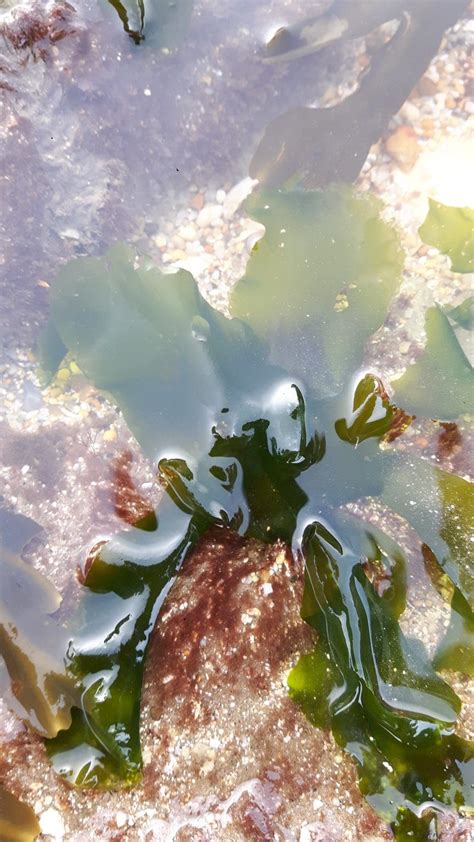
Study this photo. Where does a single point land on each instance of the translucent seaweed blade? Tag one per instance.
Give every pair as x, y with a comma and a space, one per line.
451, 230
317, 147
170, 361
265, 424
345, 20
440, 384
440, 507
342, 264
33, 644
463, 314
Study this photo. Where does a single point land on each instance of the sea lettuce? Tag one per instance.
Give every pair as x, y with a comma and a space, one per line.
267, 423
451, 230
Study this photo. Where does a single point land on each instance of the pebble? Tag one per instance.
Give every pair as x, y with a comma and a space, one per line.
160, 241
209, 215
32, 397
121, 819
426, 86
52, 824
197, 202
403, 147
428, 126
410, 112
188, 232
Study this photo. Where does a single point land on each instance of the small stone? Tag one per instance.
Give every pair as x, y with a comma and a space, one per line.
208, 215
121, 819
160, 241
110, 435
63, 374
428, 126
426, 86
188, 232
220, 196
177, 254
32, 397
70, 234
52, 824
178, 242
450, 102
197, 202
404, 347
403, 147
409, 111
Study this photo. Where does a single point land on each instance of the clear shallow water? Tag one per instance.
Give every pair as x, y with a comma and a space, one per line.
103, 138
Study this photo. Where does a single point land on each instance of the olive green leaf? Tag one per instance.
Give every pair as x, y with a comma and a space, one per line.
18, 822
451, 230
440, 384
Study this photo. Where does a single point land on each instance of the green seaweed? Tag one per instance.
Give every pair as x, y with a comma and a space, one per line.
18, 822
438, 385
32, 642
268, 424
385, 704
344, 21
463, 314
451, 230
318, 146
347, 264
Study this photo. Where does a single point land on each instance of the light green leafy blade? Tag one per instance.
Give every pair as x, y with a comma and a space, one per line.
320, 281
456, 649
440, 384
33, 643
440, 507
463, 314
451, 230
154, 344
